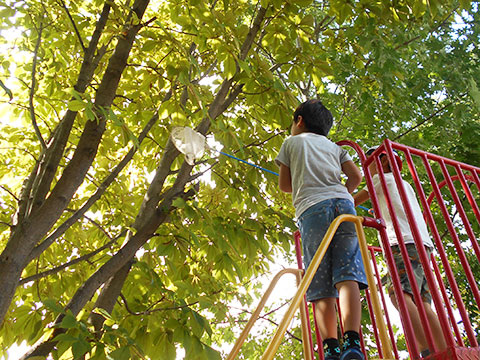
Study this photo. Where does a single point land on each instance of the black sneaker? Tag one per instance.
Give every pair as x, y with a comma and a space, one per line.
353, 353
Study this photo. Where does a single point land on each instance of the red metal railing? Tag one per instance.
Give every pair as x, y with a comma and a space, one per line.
445, 213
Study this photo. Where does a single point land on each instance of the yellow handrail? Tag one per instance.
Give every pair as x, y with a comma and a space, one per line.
307, 279
304, 317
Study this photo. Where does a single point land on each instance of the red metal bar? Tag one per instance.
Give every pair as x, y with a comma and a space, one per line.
444, 182
431, 283
339, 312
374, 323
373, 223
460, 209
471, 235
318, 335
298, 254
403, 249
433, 157
476, 179
382, 296
446, 301
362, 343
439, 294
404, 315
468, 192
445, 262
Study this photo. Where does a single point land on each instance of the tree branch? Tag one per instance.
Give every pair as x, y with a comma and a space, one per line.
33, 86
264, 317
150, 215
109, 295
74, 25
426, 119
439, 25
11, 193
31, 230
44, 173
98, 193
148, 312
71, 263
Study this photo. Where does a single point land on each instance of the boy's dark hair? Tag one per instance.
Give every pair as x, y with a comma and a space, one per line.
318, 119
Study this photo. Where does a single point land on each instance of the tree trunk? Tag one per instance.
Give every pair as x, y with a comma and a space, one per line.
33, 228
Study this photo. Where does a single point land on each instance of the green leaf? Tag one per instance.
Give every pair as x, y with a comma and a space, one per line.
474, 92
103, 312
211, 354
66, 338
51, 304
179, 203
302, 3
230, 66
122, 353
7, 90
166, 349
465, 4
68, 322
79, 348
76, 105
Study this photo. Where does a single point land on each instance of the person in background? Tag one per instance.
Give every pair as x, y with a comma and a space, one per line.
362, 196
310, 169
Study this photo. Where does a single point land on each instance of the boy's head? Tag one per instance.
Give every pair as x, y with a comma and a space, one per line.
384, 161
315, 117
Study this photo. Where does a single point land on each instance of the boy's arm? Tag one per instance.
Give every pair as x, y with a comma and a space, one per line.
285, 179
354, 176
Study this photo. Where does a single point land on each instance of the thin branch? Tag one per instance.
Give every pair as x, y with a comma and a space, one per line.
419, 36
148, 312
33, 86
426, 119
98, 193
70, 263
74, 25
266, 140
264, 317
96, 224
439, 25
10, 192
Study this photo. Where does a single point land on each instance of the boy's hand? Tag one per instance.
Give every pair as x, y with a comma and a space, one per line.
360, 197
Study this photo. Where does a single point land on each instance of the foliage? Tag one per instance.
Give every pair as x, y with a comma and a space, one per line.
99, 212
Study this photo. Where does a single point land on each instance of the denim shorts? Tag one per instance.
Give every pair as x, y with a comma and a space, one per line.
343, 260
417, 272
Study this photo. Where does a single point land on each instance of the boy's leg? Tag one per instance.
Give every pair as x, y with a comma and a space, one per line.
436, 327
326, 316
415, 319
425, 293
416, 322
326, 319
351, 310
350, 304
433, 321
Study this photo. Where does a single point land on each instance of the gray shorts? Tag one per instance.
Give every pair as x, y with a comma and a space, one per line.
417, 271
343, 260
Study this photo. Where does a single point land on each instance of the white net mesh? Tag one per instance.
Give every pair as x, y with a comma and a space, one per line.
188, 142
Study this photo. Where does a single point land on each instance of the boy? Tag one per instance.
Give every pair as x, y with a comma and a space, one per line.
363, 196
310, 169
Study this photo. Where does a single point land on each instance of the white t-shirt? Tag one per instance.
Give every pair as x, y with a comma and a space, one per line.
399, 211
315, 166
